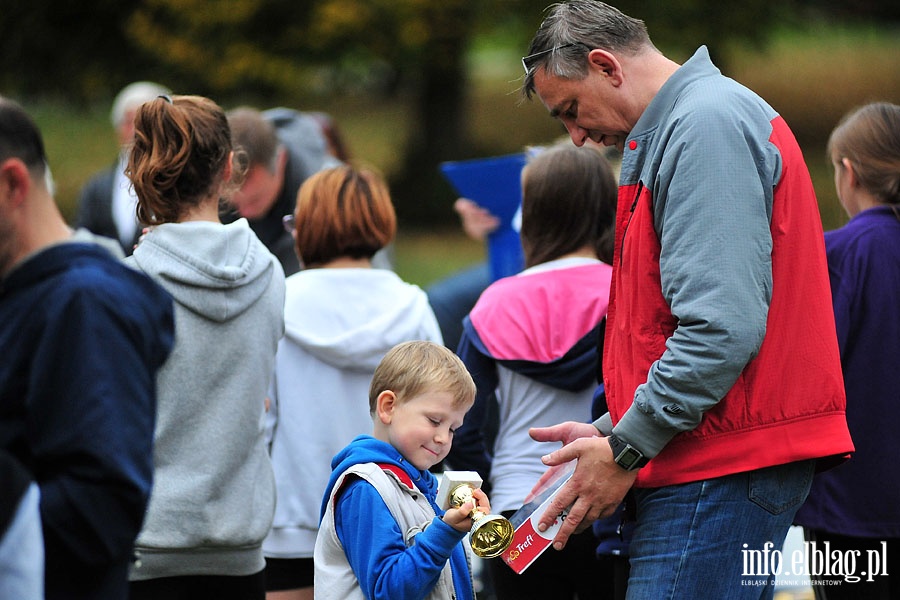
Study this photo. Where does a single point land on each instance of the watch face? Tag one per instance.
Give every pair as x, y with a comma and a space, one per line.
628, 457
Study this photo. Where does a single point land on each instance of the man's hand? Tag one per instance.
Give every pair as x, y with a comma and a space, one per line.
597, 486
564, 432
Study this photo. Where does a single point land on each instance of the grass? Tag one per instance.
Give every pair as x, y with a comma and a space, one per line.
812, 77
78, 144
422, 257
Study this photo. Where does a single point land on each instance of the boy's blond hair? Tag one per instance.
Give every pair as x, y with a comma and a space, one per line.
411, 368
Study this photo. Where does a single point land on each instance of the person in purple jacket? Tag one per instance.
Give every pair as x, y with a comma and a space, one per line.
855, 508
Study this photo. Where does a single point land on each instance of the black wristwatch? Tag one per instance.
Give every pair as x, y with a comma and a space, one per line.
626, 456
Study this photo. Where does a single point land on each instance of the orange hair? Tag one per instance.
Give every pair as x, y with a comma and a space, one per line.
343, 212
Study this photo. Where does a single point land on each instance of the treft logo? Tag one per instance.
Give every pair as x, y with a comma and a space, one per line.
525, 544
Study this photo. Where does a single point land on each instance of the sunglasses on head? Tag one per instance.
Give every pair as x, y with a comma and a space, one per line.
528, 61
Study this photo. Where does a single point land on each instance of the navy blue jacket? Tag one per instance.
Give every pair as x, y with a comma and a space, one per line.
82, 337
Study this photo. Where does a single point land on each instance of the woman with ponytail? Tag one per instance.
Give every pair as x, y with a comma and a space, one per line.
213, 495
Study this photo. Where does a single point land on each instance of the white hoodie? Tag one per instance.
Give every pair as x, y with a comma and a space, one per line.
213, 490
339, 324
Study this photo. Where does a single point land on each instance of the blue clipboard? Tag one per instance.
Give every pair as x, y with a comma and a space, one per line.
495, 184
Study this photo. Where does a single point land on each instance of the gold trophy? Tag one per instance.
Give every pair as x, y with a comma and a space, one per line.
490, 535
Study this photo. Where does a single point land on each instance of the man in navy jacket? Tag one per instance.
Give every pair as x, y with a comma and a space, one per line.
82, 337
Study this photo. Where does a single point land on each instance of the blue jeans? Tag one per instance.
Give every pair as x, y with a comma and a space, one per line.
693, 540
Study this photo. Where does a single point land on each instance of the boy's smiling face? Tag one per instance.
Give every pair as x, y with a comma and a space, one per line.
421, 428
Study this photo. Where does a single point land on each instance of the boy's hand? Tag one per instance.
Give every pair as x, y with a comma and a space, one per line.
460, 518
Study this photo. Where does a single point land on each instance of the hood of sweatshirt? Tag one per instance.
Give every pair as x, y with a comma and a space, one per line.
366, 449
349, 318
544, 322
190, 260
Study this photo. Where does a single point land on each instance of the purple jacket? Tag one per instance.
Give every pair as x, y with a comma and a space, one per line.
861, 497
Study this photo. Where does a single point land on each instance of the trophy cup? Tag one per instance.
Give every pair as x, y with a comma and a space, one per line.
490, 535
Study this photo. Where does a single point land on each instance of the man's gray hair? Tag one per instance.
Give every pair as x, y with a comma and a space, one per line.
132, 96
255, 137
571, 30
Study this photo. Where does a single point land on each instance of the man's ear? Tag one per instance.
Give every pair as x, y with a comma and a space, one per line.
385, 405
606, 63
15, 180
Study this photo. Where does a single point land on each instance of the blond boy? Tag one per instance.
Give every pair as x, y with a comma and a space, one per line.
382, 533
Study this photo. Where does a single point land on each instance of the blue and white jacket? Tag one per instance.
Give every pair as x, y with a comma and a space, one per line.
382, 535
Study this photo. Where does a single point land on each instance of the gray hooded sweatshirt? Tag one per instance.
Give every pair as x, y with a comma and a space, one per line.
213, 492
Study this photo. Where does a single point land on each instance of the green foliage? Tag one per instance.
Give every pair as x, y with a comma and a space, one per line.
683, 25
205, 42
287, 48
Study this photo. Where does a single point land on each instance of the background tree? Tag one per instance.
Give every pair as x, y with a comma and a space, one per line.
75, 50
415, 48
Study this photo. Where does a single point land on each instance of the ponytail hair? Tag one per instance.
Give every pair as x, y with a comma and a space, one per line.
181, 145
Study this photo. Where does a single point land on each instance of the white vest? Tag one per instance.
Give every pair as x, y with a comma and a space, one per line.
334, 578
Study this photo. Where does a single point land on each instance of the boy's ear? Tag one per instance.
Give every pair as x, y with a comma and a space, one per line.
385, 405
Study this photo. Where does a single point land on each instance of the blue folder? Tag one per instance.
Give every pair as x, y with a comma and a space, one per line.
495, 184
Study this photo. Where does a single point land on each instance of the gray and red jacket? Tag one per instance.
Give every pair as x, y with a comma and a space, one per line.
721, 354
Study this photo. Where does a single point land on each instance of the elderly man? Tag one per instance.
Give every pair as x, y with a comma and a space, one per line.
106, 206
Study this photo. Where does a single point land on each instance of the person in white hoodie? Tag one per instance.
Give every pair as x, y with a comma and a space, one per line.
341, 318
214, 494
